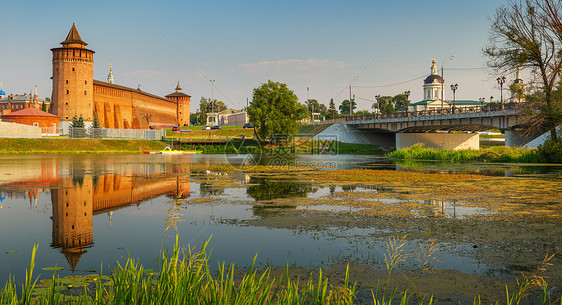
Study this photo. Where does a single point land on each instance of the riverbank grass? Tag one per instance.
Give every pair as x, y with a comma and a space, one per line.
489, 154
184, 277
75, 146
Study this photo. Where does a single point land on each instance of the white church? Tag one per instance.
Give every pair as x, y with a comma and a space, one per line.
433, 88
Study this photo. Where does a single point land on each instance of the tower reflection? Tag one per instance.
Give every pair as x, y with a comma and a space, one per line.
80, 197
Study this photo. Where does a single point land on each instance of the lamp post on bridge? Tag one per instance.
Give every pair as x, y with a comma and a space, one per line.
501, 81
481, 102
452, 57
377, 97
454, 88
407, 93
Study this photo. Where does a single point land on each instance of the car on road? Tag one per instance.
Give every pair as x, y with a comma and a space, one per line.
216, 127
175, 128
206, 128
248, 125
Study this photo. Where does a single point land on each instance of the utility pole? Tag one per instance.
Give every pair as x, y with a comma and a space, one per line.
350, 102
213, 101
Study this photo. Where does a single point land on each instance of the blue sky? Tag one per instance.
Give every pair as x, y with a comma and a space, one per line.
241, 44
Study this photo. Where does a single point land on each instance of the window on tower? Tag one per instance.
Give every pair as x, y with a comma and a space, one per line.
67, 81
67, 92
72, 69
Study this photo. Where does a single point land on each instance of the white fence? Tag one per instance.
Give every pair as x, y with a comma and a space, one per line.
14, 130
140, 134
134, 134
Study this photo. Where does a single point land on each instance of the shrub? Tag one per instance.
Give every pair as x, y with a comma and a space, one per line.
550, 151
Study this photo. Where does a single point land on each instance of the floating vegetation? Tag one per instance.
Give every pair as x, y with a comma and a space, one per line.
55, 268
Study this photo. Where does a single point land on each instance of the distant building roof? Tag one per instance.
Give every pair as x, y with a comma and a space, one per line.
2, 92
30, 112
433, 79
457, 102
18, 98
177, 94
73, 37
105, 84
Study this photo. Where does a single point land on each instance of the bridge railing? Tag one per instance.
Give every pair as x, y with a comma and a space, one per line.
432, 112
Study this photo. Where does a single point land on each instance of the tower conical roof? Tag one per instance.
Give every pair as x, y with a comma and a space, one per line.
178, 88
73, 256
73, 37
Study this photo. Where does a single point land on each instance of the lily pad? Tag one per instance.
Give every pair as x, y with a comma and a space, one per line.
55, 268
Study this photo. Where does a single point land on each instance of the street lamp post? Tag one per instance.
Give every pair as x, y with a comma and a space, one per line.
377, 97
501, 81
213, 101
452, 57
454, 88
407, 93
481, 102
351, 97
311, 105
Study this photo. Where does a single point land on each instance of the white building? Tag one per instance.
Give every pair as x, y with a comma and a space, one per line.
433, 88
518, 95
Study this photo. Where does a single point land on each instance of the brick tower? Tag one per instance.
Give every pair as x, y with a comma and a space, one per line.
73, 78
182, 105
72, 215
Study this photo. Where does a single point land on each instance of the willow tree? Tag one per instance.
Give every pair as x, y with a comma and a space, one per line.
528, 34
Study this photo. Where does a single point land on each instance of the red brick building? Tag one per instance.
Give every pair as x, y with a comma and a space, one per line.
48, 122
75, 92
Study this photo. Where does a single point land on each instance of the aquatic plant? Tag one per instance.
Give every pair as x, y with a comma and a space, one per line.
396, 253
489, 154
425, 254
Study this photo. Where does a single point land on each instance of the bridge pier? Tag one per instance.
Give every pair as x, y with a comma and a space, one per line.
516, 138
438, 140
350, 134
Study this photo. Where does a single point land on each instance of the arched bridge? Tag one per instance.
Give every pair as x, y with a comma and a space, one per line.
432, 127
495, 116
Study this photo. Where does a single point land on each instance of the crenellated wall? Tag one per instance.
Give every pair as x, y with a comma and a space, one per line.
122, 107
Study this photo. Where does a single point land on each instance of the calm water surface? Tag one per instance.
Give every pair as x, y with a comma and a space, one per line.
85, 210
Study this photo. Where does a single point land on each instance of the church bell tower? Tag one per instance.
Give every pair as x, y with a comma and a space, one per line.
73, 76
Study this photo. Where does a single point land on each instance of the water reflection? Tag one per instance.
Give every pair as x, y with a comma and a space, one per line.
261, 188
82, 189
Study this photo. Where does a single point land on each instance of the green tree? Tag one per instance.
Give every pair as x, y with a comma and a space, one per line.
344, 107
528, 34
275, 109
332, 113
81, 122
44, 107
362, 113
96, 122
313, 105
400, 101
194, 118
384, 104
74, 123
205, 106
95, 129
517, 91
391, 104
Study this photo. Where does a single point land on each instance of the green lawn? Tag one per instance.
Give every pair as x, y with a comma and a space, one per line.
65, 145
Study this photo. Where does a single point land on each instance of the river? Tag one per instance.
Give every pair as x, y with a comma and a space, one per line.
87, 210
